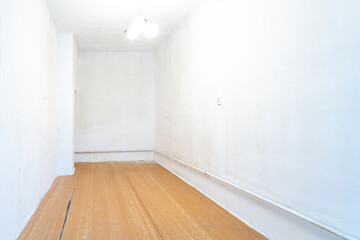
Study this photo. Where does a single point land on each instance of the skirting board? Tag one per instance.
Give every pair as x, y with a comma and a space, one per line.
269, 220
114, 156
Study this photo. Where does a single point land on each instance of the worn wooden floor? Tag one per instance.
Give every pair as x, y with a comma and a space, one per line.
131, 201
47, 221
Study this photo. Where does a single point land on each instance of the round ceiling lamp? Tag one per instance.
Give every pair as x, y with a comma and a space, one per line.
142, 25
131, 33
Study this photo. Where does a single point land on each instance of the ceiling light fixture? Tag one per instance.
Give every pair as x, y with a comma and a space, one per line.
141, 25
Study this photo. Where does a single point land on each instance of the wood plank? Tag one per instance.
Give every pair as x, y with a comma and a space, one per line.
105, 206
180, 211
216, 221
48, 219
131, 201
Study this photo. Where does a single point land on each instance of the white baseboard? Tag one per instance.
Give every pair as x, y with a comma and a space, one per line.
269, 220
114, 156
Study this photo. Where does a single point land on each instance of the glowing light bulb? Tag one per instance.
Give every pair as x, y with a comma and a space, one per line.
142, 25
150, 30
132, 33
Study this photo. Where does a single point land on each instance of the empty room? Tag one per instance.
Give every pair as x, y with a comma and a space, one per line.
179, 119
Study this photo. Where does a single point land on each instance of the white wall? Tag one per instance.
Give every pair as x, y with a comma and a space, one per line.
27, 110
288, 74
67, 73
114, 106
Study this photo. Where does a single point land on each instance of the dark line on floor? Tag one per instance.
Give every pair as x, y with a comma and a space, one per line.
141, 202
68, 207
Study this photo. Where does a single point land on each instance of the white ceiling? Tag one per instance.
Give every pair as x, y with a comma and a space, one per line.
98, 25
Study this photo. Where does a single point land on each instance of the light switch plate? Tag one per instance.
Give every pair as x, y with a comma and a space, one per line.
219, 101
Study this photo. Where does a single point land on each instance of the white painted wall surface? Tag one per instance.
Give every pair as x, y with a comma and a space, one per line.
114, 104
289, 77
67, 73
27, 110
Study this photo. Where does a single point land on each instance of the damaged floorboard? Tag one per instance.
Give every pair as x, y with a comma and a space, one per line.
48, 219
129, 200
105, 206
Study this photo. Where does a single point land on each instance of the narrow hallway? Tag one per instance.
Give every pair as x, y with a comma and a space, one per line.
181, 119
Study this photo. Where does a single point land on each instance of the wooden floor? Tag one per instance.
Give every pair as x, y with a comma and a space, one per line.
48, 220
131, 201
